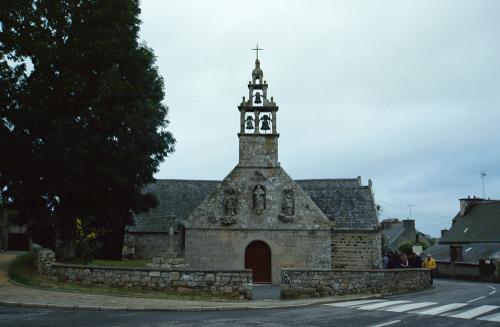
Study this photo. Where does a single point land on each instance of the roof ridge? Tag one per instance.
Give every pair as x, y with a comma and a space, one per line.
186, 180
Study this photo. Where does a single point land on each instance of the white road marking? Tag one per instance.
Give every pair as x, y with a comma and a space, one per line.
381, 305
410, 306
441, 309
475, 312
476, 299
353, 303
387, 323
494, 290
495, 317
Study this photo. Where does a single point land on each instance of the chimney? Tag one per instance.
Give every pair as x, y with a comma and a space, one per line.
443, 231
409, 224
386, 223
467, 203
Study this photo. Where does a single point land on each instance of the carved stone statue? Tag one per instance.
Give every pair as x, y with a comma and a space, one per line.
230, 202
228, 220
230, 207
259, 199
288, 204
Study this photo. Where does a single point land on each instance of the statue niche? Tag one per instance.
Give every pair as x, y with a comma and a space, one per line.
230, 207
259, 199
287, 206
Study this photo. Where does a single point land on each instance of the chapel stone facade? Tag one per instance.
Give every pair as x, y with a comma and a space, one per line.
258, 217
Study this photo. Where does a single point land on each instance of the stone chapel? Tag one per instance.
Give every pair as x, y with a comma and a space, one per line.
258, 217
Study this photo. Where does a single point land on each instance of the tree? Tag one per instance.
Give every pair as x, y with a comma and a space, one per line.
385, 244
81, 116
407, 247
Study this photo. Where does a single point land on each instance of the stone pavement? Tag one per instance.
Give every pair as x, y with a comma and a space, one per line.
15, 295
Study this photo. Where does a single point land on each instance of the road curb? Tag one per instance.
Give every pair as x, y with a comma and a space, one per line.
273, 305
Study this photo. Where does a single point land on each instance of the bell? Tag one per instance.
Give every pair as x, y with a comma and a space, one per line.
249, 121
265, 123
257, 98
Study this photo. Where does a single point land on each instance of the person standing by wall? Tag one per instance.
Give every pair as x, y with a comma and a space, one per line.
430, 264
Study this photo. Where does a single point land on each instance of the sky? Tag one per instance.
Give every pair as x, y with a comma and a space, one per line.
405, 93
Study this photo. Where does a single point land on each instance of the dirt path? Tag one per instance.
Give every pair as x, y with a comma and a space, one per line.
5, 260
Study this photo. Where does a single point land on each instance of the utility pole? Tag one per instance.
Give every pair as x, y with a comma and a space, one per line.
483, 174
409, 206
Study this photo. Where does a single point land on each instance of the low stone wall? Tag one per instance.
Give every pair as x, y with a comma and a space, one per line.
467, 271
43, 258
318, 283
233, 283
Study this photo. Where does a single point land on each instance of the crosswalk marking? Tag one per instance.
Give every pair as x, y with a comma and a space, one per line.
495, 317
442, 308
475, 312
353, 303
476, 299
451, 310
387, 323
380, 305
410, 306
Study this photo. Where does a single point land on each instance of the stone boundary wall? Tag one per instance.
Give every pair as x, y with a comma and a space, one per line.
466, 271
233, 283
319, 283
355, 250
42, 258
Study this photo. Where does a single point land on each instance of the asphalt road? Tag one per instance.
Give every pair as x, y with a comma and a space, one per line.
449, 303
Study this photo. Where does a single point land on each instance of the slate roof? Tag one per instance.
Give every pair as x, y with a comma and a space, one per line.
344, 201
472, 252
480, 224
393, 231
175, 197
398, 231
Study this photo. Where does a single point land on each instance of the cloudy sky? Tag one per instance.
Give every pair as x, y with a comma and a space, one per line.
406, 93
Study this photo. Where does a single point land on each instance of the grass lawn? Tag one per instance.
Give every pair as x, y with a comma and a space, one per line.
22, 271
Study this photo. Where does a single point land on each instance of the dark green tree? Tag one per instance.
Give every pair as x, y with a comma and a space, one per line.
82, 124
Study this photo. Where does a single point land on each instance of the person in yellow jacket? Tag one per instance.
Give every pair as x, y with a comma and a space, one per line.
430, 264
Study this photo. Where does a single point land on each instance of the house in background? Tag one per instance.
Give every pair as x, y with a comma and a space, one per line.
397, 232
12, 236
470, 249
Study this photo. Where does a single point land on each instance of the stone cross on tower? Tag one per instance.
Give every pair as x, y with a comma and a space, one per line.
258, 129
257, 50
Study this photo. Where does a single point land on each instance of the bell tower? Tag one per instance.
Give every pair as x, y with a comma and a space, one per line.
258, 137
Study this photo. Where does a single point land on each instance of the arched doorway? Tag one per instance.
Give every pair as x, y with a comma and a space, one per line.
258, 258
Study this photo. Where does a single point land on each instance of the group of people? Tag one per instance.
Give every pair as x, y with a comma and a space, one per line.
395, 260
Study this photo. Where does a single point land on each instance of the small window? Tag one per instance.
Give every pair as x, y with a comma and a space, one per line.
182, 233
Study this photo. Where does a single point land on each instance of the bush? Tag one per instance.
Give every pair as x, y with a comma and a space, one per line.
407, 247
87, 249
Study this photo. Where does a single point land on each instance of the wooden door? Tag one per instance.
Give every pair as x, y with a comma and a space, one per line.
18, 242
258, 258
